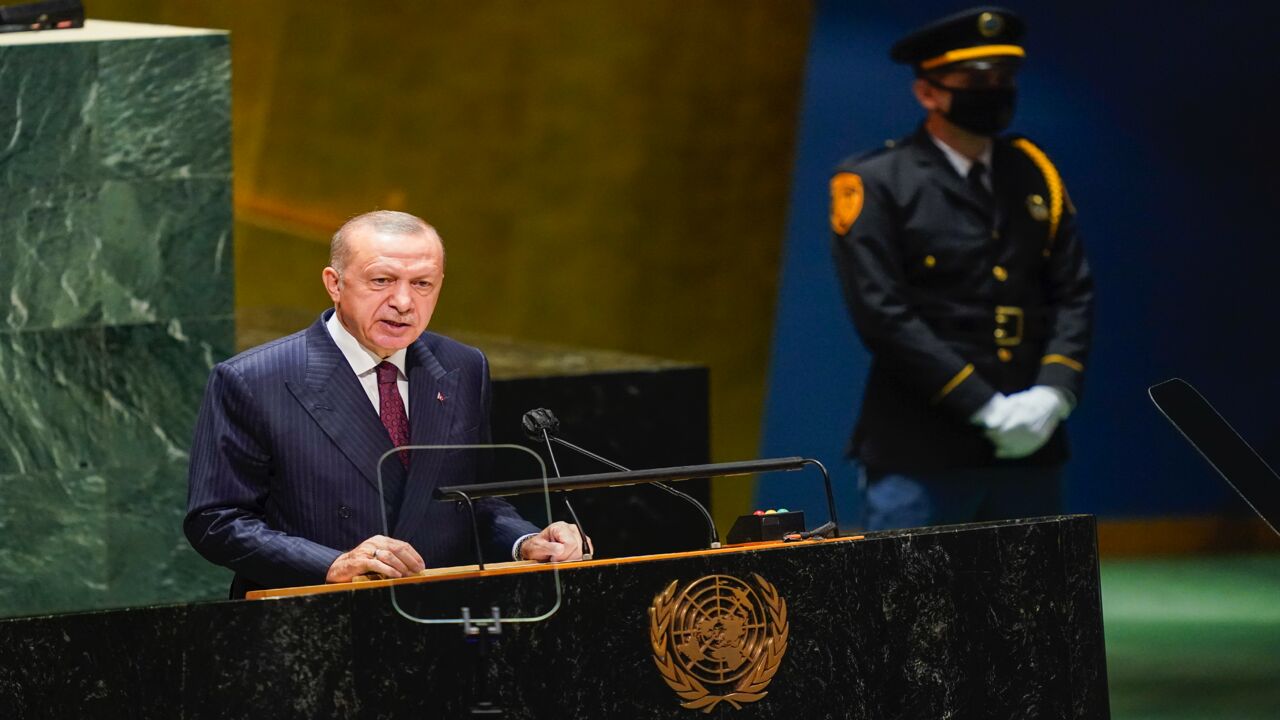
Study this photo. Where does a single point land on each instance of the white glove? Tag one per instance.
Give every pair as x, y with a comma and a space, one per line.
1047, 399
990, 416
1026, 421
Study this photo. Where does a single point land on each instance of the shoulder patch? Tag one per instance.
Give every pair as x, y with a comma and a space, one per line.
1057, 194
846, 201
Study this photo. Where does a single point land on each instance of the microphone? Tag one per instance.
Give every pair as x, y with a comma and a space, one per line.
538, 421
540, 424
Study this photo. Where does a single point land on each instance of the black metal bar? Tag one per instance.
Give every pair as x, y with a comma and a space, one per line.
831, 497
618, 479
587, 551
475, 528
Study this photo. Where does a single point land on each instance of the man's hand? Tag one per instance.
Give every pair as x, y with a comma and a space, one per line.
379, 554
558, 542
1026, 421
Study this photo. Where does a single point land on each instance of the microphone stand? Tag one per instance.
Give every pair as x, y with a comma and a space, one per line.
588, 551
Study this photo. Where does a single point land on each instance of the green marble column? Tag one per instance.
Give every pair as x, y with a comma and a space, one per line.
116, 284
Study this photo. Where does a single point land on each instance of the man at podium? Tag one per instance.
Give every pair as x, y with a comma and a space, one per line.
283, 485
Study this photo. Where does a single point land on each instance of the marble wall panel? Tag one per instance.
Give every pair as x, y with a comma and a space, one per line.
166, 250
163, 108
53, 541
47, 98
105, 397
148, 559
87, 131
77, 540
116, 264
51, 401
96, 425
153, 384
152, 405
81, 255
50, 246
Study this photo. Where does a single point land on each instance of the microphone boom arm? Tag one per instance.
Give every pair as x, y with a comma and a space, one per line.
711, 524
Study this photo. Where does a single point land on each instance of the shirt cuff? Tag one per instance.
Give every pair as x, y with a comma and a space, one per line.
515, 546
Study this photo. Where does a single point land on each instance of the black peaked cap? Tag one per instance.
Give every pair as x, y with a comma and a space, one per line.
977, 30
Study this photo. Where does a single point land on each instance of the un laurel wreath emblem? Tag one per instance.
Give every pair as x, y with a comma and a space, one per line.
719, 639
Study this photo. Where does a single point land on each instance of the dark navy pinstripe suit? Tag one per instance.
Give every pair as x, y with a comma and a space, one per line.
283, 472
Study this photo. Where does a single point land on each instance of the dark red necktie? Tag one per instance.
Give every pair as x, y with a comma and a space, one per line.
392, 408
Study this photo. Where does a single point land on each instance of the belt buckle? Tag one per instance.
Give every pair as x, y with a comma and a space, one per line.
1007, 315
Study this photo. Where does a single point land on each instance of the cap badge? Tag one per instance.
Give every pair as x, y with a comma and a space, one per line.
990, 24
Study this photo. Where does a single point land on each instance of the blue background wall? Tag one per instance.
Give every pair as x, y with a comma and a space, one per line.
1160, 126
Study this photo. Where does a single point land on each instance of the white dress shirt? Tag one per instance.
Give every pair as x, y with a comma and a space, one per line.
364, 363
962, 163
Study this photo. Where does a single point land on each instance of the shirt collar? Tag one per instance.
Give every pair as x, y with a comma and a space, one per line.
361, 359
960, 162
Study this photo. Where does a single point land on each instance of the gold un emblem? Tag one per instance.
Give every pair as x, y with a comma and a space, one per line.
719, 639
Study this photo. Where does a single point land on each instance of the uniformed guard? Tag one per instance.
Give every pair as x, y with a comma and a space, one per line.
958, 255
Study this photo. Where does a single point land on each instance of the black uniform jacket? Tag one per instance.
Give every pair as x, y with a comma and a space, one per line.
957, 297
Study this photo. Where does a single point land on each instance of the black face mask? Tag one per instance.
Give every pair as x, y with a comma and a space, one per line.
984, 111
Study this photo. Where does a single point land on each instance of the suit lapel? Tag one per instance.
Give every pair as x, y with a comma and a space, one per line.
333, 397
432, 403
1002, 186
943, 173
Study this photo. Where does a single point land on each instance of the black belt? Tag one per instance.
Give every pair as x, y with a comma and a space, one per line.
1005, 325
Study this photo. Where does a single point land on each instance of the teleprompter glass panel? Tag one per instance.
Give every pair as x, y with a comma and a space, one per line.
466, 539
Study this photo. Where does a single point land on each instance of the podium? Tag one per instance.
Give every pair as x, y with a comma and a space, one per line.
994, 620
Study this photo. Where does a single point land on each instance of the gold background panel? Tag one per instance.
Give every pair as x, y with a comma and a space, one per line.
610, 175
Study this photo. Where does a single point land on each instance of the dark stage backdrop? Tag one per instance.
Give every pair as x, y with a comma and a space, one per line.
1156, 116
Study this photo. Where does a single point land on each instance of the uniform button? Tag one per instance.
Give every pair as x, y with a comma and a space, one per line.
1000, 273
344, 512
999, 333
930, 261
1004, 355
995, 234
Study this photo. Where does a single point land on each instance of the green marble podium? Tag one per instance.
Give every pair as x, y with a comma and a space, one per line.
116, 273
